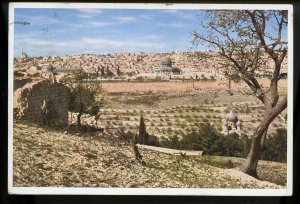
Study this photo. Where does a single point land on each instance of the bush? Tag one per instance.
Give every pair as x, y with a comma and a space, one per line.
209, 140
226, 111
153, 140
275, 148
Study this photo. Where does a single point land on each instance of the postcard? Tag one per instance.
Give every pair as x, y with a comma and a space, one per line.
150, 99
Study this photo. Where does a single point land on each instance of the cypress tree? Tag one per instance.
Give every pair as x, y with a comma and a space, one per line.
143, 136
118, 70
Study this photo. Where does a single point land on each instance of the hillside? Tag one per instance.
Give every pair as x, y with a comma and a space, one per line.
48, 157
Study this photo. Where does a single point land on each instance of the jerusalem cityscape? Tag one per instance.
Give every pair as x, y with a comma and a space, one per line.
150, 113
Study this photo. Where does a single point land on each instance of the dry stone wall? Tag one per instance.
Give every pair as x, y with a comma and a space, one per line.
20, 82
42, 101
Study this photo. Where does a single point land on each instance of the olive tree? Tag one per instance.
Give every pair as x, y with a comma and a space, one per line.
245, 41
86, 94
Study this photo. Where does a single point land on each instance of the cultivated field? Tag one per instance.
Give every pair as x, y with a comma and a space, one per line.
176, 108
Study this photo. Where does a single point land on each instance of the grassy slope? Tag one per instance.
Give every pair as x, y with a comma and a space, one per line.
47, 157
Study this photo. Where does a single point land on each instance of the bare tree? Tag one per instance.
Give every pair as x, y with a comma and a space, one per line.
245, 40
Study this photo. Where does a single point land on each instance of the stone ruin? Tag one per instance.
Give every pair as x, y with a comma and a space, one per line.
42, 101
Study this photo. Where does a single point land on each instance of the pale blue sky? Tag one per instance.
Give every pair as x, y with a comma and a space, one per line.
58, 31
102, 31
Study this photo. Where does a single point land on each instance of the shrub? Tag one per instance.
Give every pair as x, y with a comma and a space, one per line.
275, 148
209, 140
126, 118
226, 111
190, 120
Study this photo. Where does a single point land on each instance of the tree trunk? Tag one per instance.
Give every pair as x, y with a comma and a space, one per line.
79, 118
263, 139
250, 165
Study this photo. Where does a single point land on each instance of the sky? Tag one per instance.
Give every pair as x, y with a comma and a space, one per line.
59, 32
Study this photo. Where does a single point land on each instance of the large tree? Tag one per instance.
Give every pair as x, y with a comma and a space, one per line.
246, 40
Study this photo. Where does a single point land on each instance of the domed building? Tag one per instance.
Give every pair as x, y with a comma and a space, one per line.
232, 124
165, 66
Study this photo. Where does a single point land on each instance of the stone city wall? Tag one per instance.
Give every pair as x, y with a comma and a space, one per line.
42, 101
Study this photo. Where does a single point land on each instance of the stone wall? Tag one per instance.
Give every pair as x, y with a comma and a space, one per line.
42, 101
20, 82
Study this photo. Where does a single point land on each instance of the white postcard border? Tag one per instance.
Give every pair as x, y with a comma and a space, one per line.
151, 191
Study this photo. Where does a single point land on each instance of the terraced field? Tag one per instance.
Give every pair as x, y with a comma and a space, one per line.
179, 120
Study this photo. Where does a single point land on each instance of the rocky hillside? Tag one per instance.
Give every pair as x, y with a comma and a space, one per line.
51, 157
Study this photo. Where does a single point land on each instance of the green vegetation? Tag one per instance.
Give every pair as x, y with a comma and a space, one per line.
142, 137
207, 139
85, 96
276, 146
